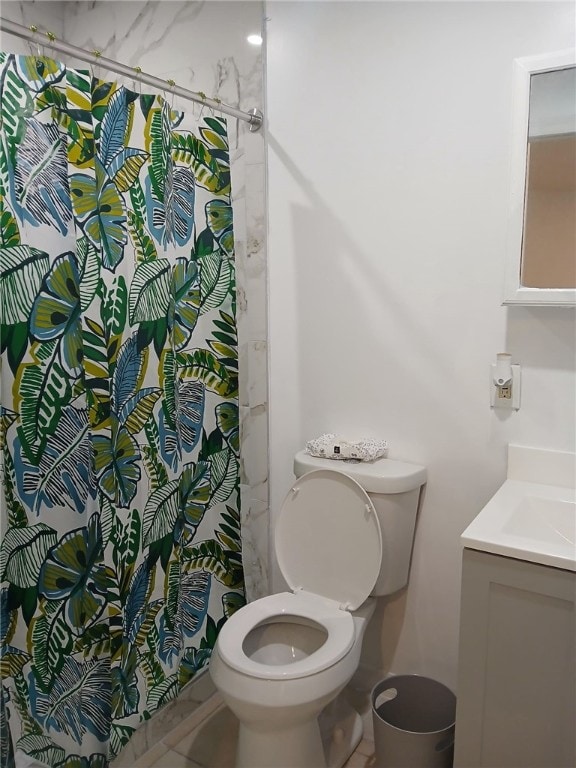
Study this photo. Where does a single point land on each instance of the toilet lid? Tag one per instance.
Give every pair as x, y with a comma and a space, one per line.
328, 538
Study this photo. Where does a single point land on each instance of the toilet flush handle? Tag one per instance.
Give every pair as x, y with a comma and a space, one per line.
295, 491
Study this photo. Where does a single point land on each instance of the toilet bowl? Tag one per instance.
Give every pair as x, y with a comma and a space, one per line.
280, 660
286, 636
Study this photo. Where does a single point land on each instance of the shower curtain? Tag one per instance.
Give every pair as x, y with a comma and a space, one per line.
120, 556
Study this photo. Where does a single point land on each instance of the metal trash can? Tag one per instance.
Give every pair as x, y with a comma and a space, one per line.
414, 722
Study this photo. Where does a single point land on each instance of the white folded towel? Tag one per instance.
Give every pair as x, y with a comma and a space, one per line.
330, 446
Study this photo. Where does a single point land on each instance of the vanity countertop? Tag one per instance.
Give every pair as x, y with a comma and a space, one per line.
532, 516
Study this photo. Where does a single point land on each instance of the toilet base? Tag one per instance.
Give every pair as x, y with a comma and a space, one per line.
299, 746
342, 730
326, 742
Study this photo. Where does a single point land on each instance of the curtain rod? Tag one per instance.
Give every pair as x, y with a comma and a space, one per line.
254, 118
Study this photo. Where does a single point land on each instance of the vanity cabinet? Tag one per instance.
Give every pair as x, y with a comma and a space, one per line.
517, 666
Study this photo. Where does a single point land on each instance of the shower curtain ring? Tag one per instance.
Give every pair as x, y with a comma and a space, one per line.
138, 71
35, 39
97, 54
203, 97
172, 84
51, 38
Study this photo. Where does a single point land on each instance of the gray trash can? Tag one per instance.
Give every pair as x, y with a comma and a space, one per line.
414, 720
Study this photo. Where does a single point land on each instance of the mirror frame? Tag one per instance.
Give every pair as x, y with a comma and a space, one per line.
514, 292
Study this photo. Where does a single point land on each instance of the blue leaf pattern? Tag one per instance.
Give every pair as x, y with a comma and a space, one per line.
64, 473
128, 368
137, 597
40, 177
113, 127
78, 702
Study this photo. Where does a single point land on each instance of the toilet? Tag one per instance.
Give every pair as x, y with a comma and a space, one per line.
343, 537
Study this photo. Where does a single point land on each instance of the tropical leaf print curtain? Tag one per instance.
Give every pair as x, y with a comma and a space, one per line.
120, 555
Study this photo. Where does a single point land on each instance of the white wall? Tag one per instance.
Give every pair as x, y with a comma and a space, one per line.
388, 151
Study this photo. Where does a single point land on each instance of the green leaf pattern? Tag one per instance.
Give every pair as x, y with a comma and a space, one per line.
120, 555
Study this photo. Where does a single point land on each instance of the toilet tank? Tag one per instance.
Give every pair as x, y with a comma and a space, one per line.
394, 489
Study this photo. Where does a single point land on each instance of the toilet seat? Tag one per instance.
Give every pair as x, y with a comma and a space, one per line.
337, 623
329, 548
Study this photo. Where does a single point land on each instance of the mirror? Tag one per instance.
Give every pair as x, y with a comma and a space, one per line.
541, 265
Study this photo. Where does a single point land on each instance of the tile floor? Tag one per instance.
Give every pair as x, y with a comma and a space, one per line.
207, 739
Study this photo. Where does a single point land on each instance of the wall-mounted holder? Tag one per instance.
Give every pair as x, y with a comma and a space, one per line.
504, 383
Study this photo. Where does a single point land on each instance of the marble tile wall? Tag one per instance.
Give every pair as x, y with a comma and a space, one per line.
202, 46
45, 14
